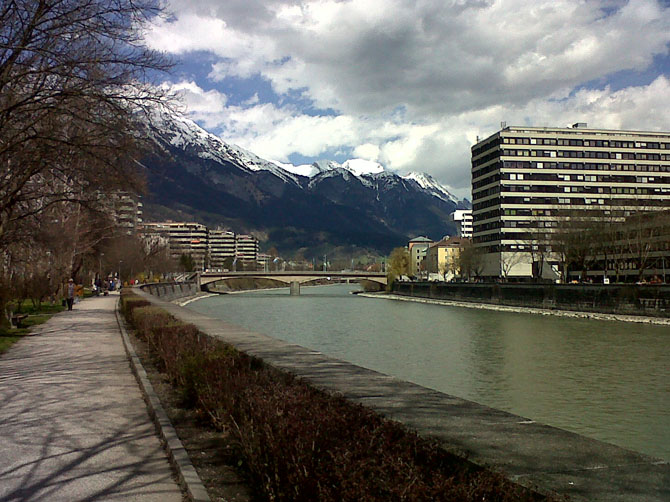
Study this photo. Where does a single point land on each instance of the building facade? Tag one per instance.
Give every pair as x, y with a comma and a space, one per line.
442, 258
221, 247
126, 209
462, 219
527, 181
418, 248
246, 251
184, 238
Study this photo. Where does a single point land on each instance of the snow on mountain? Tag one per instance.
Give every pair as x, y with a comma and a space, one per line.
429, 184
186, 134
309, 170
326, 165
359, 167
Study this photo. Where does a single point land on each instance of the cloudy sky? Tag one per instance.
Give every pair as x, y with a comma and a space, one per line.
412, 83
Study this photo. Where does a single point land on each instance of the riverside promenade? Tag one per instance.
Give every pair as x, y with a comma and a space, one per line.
73, 424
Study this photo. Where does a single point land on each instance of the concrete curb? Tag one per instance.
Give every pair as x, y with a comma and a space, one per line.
188, 477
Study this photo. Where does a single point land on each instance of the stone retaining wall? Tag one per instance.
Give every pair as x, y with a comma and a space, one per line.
626, 299
171, 290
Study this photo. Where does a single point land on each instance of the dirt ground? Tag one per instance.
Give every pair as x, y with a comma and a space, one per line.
211, 452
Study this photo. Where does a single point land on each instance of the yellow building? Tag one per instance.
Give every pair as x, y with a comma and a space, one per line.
443, 257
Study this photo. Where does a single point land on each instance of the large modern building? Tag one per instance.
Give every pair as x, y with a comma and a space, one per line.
526, 181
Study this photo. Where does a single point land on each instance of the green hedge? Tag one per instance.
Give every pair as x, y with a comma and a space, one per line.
297, 443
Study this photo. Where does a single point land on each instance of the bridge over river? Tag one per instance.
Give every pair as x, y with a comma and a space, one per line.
292, 278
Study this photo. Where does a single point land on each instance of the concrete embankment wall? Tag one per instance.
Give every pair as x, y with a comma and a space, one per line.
644, 300
171, 290
529, 453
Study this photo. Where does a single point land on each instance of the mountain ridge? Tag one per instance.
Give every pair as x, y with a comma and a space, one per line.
357, 205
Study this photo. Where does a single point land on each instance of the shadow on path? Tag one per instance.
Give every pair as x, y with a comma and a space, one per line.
72, 420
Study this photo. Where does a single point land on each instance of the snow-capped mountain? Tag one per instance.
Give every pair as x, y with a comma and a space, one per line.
192, 174
185, 134
428, 183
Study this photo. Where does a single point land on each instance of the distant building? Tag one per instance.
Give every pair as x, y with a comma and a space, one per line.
126, 209
221, 247
184, 238
264, 262
209, 248
246, 250
527, 180
417, 253
462, 218
443, 257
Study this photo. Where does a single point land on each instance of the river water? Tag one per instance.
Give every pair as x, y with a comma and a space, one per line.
608, 380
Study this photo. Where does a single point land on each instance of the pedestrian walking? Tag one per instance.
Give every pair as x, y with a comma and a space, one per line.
70, 291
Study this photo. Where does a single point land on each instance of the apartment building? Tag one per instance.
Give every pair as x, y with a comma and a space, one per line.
221, 246
442, 257
246, 250
183, 238
418, 248
462, 219
527, 180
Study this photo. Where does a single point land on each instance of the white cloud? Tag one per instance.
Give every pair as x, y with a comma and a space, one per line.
442, 147
367, 151
414, 83
365, 57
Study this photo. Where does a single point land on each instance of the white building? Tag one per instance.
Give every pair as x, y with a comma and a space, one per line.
462, 218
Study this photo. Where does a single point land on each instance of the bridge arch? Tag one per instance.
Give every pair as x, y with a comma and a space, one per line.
290, 278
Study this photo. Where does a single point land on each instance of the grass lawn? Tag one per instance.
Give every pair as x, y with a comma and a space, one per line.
36, 316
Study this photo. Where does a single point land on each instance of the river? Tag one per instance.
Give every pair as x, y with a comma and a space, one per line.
609, 380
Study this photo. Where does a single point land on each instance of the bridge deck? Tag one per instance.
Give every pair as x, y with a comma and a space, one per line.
293, 276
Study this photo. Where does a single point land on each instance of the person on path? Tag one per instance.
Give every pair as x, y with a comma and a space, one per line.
70, 291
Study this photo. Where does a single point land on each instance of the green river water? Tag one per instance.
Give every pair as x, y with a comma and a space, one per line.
608, 380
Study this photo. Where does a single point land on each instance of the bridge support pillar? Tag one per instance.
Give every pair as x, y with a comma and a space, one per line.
295, 288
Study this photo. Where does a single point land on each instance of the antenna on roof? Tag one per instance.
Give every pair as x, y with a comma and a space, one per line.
503, 124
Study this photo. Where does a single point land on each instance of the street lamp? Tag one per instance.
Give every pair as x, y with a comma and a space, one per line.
120, 262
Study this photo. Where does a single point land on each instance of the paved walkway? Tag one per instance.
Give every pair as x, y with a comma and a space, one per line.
73, 425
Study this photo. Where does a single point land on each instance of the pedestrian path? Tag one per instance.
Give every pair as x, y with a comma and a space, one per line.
73, 425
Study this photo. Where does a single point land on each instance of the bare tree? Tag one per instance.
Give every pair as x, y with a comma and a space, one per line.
575, 241
509, 260
74, 83
471, 261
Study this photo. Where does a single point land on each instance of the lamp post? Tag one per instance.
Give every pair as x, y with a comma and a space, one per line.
120, 262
